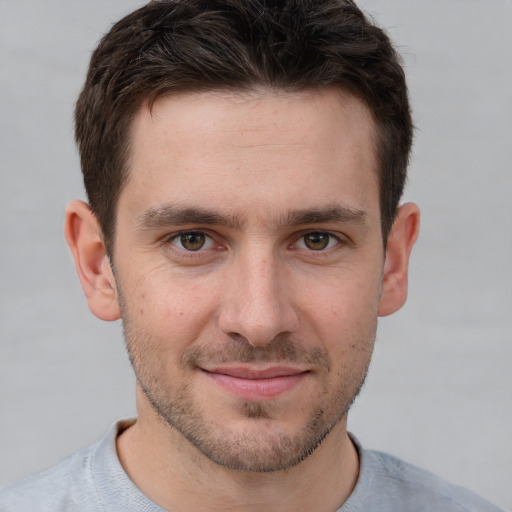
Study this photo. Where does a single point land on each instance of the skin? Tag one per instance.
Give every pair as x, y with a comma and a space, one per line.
249, 271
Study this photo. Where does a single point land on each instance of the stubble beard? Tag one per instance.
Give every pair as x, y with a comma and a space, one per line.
261, 449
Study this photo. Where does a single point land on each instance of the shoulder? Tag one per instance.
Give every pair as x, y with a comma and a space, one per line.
396, 485
61, 488
92, 480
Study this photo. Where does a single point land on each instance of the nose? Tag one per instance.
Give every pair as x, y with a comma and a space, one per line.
257, 303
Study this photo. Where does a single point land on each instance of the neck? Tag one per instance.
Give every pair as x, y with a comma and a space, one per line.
177, 476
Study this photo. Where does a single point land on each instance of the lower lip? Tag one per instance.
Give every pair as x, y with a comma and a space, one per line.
257, 389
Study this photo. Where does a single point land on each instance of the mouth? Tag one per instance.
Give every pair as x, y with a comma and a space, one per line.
251, 383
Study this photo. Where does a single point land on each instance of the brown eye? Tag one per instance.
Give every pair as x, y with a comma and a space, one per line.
191, 241
317, 241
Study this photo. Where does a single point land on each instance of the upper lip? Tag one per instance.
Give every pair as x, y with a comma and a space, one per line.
246, 372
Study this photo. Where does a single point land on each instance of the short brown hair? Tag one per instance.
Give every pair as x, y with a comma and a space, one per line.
195, 45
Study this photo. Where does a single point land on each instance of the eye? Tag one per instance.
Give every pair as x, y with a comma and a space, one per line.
192, 241
317, 241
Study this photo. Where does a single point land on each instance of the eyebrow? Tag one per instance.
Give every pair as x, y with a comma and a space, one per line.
169, 215
334, 213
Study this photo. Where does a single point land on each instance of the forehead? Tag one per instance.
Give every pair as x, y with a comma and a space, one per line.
292, 147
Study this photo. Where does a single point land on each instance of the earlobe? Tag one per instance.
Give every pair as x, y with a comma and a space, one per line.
401, 240
83, 235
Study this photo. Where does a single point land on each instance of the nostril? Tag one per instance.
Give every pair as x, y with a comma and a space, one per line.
256, 307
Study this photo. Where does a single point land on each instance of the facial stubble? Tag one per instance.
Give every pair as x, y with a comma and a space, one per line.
265, 448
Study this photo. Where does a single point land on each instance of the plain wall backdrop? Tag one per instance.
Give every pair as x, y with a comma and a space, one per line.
439, 392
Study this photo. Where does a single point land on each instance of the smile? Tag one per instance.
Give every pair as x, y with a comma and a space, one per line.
255, 384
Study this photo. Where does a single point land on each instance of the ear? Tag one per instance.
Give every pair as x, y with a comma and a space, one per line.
400, 243
85, 240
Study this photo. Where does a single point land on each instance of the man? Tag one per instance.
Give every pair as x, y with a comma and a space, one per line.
244, 163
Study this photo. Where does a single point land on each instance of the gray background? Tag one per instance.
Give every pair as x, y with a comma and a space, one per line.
440, 389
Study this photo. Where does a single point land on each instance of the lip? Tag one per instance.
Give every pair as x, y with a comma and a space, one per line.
256, 383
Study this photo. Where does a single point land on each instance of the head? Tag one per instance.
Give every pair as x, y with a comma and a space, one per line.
171, 46
244, 163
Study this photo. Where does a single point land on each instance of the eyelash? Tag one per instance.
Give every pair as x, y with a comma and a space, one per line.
184, 252
210, 240
332, 237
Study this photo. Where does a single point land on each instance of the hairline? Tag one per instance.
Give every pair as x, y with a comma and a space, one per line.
148, 101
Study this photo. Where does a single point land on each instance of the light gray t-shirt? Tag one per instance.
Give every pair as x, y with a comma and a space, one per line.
93, 480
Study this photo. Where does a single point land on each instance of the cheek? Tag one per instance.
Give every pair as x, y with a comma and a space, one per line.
347, 303
172, 311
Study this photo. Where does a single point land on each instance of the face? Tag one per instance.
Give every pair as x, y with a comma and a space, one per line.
248, 265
